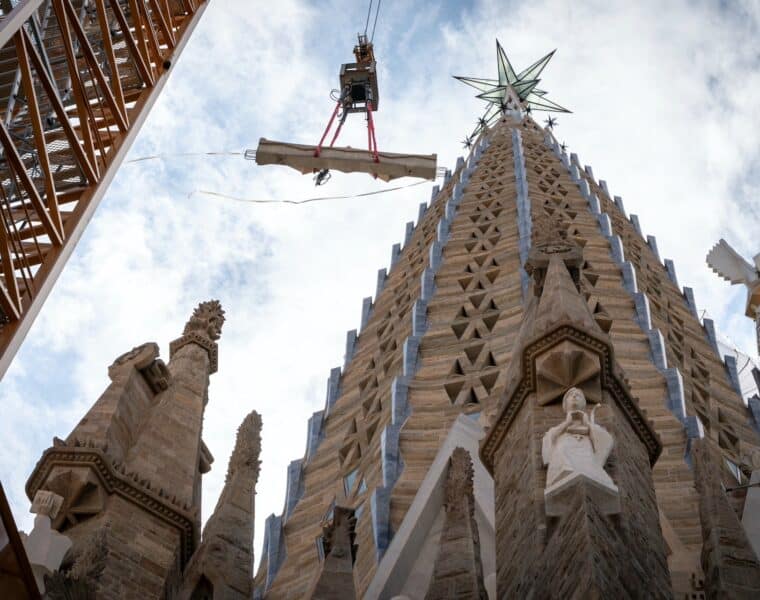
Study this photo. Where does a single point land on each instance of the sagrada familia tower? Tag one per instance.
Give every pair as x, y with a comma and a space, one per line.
530, 409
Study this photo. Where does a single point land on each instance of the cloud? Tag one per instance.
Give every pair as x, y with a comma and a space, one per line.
663, 96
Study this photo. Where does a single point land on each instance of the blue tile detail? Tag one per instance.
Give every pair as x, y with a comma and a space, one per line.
616, 247
391, 457
434, 193
366, 312
446, 177
422, 210
382, 275
676, 400
670, 267
350, 348
442, 230
419, 318
314, 433
395, 253
381, 522
629, 277
636, 224
652, 241
688, 295
603, 185
754, 409
709, 327
427, 284
643, 312
333, 389
605, 224
460, 163
733, 373
274, 548
694, 431
435, 255
594, 205
294, 489
574, 159
400, 409
575, 173
410, 350
451, 207
585, 189
408, 231
619, 204
524, 220
589, 171
657, 348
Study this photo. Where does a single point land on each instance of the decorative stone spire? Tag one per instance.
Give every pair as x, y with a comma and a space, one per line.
335, 580
458, 571
135, 462
729, 563
224, 560
204, 328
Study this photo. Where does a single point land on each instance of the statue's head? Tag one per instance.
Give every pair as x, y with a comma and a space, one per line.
573, 400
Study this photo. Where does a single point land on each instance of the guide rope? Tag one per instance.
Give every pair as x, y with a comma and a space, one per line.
307, 200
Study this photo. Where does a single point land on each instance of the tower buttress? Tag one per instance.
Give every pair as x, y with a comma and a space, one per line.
129, 473
597, 497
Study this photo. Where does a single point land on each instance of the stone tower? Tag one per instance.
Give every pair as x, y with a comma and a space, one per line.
527, 320
129, 476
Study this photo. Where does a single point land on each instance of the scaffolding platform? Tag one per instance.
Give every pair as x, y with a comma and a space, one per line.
348, 160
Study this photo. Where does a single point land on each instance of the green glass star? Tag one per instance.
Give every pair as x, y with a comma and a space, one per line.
501, 93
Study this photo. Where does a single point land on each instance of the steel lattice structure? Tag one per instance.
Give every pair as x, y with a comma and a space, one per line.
77, 80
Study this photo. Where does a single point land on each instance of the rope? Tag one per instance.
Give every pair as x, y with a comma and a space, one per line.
369, 11
159, 156
377, 12
307, 200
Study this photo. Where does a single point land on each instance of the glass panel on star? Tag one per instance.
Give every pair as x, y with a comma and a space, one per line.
358, 512
349, 480
320, 541
362, 487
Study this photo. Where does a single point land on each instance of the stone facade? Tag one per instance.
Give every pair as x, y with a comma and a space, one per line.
523, 278
129, 476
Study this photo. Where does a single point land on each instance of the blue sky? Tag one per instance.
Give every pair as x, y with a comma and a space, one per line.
665, 100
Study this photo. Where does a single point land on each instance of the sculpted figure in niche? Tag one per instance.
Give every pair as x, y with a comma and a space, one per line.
576, 450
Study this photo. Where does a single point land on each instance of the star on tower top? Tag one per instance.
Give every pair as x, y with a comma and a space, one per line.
511, 90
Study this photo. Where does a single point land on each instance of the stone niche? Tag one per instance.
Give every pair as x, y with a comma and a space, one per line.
601, 534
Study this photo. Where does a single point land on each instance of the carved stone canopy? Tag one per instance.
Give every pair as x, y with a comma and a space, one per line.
145, 359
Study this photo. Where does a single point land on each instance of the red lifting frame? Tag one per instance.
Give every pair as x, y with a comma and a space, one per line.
371, 138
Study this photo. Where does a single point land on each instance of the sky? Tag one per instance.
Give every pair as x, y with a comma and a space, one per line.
665, 100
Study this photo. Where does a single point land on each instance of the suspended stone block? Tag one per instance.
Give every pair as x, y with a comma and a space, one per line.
348, 160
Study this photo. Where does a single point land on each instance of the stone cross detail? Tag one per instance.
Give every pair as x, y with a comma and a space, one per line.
730, 265
576, 450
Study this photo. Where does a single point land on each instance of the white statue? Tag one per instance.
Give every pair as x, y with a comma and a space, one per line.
576, 450
44, 546
730, 265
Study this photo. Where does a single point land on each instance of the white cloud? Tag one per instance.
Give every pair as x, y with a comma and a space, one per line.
664, 97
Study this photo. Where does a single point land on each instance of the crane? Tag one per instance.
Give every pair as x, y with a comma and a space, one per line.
357, 93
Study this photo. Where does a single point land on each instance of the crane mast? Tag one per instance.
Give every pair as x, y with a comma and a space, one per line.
77, 80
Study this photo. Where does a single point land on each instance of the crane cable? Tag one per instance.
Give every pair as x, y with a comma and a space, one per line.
377, 12
369, 15
369, 12
307, 200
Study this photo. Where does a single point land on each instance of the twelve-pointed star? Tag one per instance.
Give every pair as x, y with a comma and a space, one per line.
522, 85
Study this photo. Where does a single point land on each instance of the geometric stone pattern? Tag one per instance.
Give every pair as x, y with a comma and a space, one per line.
437, 340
